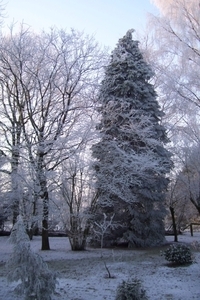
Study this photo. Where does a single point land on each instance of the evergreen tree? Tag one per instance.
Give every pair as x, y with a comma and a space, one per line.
131, 160
36, 281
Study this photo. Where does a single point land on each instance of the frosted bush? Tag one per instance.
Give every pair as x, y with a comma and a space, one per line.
35, 280
179, 254
131, 290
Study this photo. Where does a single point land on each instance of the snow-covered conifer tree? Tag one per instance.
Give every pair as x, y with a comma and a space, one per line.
36, 281
131, 160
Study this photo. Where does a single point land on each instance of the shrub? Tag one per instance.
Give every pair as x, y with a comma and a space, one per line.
178, 254
35, 280
131, 290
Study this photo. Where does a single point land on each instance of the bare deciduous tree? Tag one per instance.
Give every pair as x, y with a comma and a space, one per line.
52, 78
79, 201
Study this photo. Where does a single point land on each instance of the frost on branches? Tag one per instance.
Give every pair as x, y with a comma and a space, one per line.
131, 160
35, 279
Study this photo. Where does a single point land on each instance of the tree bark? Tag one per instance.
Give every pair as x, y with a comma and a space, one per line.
45, 236
44, 195
174, 224
14, 182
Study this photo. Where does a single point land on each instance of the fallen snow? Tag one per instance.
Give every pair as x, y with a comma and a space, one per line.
82, 275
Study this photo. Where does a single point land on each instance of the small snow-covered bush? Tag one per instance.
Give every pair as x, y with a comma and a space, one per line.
131, 290
179, 254
36, 281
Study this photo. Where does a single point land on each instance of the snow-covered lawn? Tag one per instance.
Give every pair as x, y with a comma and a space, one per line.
82, 275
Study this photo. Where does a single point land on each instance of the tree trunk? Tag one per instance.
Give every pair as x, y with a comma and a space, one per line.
77, 243
15, 208
44, 195
76, 239
174, 224
45, 236
77, 235
15, 192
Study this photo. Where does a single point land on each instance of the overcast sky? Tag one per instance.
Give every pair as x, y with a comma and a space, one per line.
108, 20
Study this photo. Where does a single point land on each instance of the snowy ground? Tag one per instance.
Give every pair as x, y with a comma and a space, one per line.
83, 275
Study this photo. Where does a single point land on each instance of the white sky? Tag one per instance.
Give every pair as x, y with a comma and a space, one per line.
108, 20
